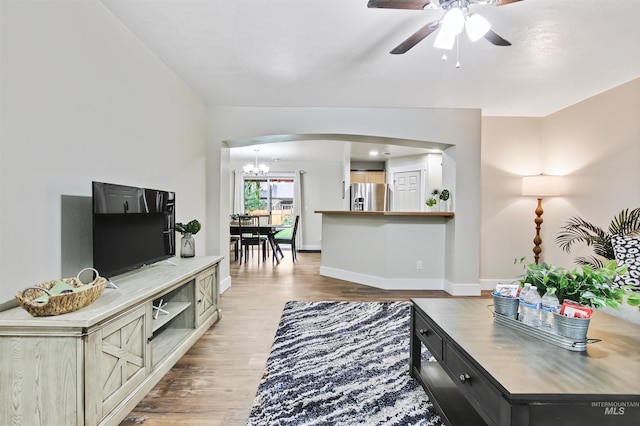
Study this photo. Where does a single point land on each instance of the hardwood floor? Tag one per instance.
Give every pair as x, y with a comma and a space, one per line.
216, 381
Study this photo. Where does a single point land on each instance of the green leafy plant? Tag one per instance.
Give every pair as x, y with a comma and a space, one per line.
445, 194
431, 201
190, 228
578, 230
589, 286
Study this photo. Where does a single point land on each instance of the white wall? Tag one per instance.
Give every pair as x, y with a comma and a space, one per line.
594, 144
83, 100
455, 127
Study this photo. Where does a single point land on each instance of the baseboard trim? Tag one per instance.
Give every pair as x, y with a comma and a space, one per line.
383, 283
402, 284
461, 289
225, 284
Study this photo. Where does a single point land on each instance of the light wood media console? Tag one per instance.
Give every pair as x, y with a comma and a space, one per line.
93, 366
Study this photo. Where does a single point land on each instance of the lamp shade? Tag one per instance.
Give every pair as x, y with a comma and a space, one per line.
541, 186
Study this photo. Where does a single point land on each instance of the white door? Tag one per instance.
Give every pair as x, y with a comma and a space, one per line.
406, 191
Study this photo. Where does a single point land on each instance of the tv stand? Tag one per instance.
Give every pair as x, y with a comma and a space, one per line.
93, 366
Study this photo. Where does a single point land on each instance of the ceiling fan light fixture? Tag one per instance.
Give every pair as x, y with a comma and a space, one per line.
444, 40
476, 26
453, 21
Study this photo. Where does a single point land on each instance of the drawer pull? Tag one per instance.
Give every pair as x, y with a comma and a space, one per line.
464, 378
423, 331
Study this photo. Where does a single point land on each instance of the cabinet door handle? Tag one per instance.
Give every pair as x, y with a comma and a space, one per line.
423, 331
149, 339
464, 378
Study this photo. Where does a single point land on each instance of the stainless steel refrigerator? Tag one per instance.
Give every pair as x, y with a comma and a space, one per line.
369, 197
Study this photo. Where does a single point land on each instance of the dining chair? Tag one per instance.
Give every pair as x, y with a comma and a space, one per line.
234, 241
288, 236
250, 237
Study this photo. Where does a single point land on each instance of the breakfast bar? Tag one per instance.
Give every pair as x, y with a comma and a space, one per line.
388, 250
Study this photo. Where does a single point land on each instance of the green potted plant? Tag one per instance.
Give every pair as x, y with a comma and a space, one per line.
578, 230
187, 243
431, 201
444, 197
587, 285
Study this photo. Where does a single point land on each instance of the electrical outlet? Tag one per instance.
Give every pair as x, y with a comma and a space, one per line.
418, 264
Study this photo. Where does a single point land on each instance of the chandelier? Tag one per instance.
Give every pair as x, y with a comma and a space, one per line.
255, 169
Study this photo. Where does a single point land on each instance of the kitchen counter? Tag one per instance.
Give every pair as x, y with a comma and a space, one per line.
361, 213
388, 250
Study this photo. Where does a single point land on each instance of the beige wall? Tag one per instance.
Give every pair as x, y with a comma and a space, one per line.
594, 144
83, 100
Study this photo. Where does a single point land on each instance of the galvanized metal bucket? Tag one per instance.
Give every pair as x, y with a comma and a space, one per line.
507, 306
573, 328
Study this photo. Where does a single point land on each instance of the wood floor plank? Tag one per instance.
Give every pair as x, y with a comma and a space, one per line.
216, 381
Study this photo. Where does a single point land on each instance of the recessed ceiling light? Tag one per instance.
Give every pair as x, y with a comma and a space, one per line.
386, 154
373, 153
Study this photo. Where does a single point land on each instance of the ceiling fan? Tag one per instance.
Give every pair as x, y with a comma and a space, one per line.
456, 18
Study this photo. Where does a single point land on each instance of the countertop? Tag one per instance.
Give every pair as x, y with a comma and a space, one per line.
360, 213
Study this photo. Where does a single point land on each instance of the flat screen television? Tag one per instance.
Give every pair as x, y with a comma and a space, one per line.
132, 227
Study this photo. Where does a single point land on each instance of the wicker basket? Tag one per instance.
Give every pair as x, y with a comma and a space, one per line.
57, 304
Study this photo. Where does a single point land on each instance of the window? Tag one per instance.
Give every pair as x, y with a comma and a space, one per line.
270, 197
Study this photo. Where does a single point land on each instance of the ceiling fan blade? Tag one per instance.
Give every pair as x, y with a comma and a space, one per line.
399, 4
415, 38
505, 2
496, 39
494, 2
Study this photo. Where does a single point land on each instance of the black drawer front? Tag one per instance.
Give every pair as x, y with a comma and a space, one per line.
474, 385
428, 335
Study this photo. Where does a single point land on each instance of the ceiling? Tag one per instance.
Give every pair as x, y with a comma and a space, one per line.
335, 53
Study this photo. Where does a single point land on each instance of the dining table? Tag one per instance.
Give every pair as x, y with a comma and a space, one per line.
268, 230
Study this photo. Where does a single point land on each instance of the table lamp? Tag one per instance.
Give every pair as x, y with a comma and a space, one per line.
540, 186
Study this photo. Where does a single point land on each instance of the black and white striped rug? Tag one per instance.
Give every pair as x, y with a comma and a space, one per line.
342, 363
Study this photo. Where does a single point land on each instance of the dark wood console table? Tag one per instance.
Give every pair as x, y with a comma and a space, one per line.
480, 377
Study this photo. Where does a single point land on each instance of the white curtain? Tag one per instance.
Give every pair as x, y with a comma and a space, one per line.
297, 205
238, 192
